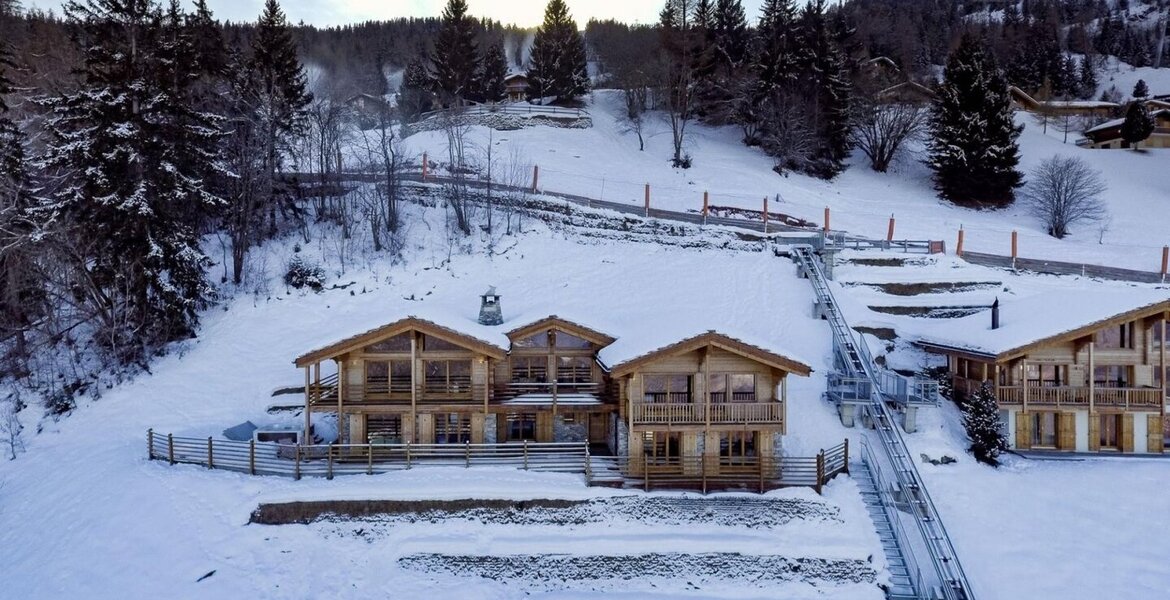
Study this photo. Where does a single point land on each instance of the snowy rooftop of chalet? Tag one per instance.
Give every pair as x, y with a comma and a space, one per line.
1024, 321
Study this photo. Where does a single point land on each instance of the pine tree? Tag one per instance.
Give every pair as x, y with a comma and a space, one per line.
20, 295
494, 70
1088, 78
984, 426
1138, 124
822, 69
132, 157
776, 61
973, 149
731, 35
414, 95
557, 66
1140, 89
456, 59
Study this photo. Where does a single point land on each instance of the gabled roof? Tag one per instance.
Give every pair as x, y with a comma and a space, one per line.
1041, 320
1115, 123
392, 329
553, 321
908, 85
718, 340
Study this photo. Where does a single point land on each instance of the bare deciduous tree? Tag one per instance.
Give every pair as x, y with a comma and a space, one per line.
879, 130
1064, 191
457, 127
10, 426
787, 134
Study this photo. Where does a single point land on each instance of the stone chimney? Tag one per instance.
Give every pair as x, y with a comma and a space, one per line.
994, 314
489, 308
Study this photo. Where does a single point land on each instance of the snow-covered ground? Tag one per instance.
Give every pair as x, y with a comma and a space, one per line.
604, 162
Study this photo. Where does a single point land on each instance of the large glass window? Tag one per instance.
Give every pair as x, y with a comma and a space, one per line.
385, 376
539, 340
384, 429
1044, 430
452, 428
574, 369
662, 446
733, 387
398, 343
1117, 337
737, 447
521, 426
448, 376
1047, 375
1156, 334
571, 342
675, 389
1111, 376
530, 369
436, 344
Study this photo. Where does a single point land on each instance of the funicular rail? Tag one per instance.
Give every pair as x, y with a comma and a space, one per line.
952, 581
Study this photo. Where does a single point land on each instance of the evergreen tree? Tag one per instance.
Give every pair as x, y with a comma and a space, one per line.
456, 55
984, 426
1088, 78
414, 95
731, 35
132, 157
973, 148
822, 69
281, 88
19, 291
776, 60
1138, 124
495, 69
1140, 89
557, 66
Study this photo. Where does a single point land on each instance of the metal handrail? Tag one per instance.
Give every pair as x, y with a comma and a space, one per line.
942, 553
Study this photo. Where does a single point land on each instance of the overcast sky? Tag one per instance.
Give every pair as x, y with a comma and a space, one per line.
521, 12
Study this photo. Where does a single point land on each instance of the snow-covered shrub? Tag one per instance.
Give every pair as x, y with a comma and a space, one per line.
10, 426
984, 426
302, 274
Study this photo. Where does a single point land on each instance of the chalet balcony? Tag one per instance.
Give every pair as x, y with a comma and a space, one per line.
653, 413
429, 391
1130, 398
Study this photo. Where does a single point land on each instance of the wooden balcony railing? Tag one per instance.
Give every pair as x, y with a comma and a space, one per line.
722, 412
1070, 396
735, 397
668, 397
395, 393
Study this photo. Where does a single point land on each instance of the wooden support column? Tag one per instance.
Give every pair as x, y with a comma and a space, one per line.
487, 385
706, 375
552, 346
308, 391
1092, 377
1162, 363
342, 424
1024, 382
414, 383
317, 385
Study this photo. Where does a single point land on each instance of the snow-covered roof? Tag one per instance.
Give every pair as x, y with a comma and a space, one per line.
1040, 319
1118, 122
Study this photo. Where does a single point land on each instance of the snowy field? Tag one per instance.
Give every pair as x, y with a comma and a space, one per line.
604, 162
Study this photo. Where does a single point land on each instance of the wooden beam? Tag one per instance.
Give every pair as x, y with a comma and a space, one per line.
341, 421
1024, 382
1092, 376
1162, 354
308, 384
414, 367
706, 374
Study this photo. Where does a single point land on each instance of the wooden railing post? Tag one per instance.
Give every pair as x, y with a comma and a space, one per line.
765, 214
424, 166
703, 469
846, 467
535, 177
407, 455
525, 455
252, 456
647, 199
820, 470
646, 470
297, 467
210, 457
171, 448
467, 454
369, 459
150, 444
760, 464
588, 466
329, 461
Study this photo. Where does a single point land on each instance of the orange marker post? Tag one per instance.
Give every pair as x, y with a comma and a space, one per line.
890, 230
705, 205
826, 219
959, 246
765, 214
1165, 261
535, 177
647, 199
424, 174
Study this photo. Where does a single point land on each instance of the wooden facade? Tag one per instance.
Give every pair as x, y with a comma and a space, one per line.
1108, 135
709, 397
1101, 387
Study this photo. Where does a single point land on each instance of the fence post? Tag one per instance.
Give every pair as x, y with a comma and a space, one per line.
890, 230
424, 165
703, 470
210, 458
369, 459
407, 455
297, 467
535, 177
760, 462
846, 467
588, 466
646, 470
1165, 261
647, 194
820, 470
959, 246
252, 456
826, 220
1015, 246
467, 454
765, 214
171, 448
705, 207
329, 461
525, 455
150, 444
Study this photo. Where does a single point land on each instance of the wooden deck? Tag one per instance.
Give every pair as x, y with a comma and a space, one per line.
697, 413
1128, 398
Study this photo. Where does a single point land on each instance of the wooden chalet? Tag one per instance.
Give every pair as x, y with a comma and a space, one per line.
1095, 387
906, 92
1098, 109
516, 87
704, 405
1107, 135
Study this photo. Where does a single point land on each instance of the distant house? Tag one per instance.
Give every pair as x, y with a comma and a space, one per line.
907, 92
516, 87
1021, 100
708, 405
1084, 374
1107, 135
368, 109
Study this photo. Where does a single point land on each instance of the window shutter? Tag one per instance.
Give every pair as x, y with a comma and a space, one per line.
1023, 431
1127, 433
1094, 432
1066, 431
1154, 433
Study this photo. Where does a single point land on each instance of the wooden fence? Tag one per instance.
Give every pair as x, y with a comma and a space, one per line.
763, 473
1057, 267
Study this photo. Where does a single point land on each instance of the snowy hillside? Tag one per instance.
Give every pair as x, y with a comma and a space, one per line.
604, 162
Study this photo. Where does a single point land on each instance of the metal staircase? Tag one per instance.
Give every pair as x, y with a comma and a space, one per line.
887, 521
949, 581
